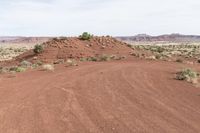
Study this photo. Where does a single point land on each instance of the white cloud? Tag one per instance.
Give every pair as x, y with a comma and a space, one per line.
115, 17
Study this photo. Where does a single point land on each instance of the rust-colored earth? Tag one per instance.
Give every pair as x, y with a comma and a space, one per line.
73, 47
132, 96
129, 96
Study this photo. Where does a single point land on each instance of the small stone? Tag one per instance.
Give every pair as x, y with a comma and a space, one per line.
35, 57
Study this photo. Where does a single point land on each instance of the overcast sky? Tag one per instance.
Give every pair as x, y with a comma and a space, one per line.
100, 17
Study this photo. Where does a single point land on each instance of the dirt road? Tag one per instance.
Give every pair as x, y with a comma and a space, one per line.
107, 97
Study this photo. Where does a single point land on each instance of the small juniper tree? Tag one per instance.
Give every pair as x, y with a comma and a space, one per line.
38, 49
85, 36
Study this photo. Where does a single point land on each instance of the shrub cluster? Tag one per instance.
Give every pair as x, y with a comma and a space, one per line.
103, 57
17, 69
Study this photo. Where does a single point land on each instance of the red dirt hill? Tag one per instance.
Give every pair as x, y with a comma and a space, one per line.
64, 48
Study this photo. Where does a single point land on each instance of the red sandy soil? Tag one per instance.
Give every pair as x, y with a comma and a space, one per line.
100, 97
76, 48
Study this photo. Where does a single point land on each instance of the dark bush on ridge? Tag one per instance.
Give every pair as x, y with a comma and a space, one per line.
85, 36
38, 49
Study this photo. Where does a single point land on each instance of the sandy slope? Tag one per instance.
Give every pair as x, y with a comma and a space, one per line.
118, 97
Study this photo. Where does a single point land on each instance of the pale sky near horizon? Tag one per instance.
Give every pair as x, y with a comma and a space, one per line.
99, 17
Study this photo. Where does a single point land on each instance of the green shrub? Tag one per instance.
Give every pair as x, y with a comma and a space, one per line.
39, 63
25, 63
187, 74
92, 59
104, 58
38, 49
83, 59
34, 66
160, 49
89, 59
85, 36
17, 69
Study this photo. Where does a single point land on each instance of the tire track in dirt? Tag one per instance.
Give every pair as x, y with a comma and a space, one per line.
103, 97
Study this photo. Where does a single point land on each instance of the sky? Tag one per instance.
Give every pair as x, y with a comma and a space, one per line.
99, 17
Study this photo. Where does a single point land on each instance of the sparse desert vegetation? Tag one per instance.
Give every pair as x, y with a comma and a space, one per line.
22, 67
38, 48
71, 62
178, 53
81, 72
48, 67
17, 69
188, 74
8, 53
76, 66
25, 63
85, 36
103, 57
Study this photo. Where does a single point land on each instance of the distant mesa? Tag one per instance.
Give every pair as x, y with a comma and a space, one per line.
19, 40
175, 37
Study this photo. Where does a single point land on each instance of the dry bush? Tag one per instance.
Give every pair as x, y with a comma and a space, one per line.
3, 70
71, 62
48, 67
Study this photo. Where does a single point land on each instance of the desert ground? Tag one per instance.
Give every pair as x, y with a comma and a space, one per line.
100, 85
11, 47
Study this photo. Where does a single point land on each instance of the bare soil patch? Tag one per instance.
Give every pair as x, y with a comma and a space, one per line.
120, 96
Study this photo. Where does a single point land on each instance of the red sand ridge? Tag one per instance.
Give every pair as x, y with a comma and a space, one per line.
72, 47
